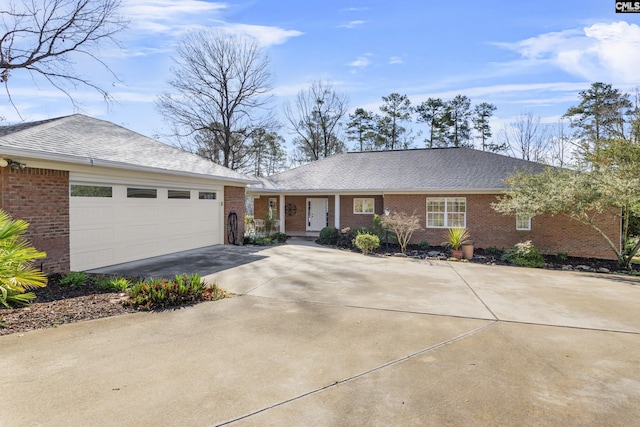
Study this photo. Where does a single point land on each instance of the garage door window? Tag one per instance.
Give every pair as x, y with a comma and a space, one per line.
179, 194
91, 191
142, 193
206, 195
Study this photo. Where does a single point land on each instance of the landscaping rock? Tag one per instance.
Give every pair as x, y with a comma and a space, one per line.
567, 267
434, 254
584, 268
604, 270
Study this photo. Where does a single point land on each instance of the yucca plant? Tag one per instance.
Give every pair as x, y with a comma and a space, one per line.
456, 237
17, 274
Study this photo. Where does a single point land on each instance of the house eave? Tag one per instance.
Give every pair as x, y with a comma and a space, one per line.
17, 154
346, 191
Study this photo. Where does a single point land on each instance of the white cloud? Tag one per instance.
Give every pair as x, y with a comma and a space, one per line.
266, 36
161, 15
395, 60
600, 52
352, 24
361, 61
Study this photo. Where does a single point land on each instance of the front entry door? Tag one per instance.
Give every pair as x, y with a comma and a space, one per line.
317, 210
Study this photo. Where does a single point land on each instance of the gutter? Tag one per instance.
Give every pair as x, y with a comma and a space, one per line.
88, 161
348, 191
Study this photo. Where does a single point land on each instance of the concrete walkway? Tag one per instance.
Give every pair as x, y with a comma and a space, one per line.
328, 338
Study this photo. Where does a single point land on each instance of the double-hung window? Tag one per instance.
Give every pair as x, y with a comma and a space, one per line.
446, 212
363, 206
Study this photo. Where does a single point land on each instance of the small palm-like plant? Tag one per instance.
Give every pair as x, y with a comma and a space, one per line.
16, 263
456, 237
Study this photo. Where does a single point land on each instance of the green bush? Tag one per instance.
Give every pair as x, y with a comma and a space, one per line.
366, 242
74, 279
280, 237
113, 284
492, 250
329, 236
524, 254
424, 245
16, 263
162, 293
563, 256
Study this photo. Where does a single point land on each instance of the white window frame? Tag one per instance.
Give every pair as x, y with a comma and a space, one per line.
519, 221
363, 202
447, 213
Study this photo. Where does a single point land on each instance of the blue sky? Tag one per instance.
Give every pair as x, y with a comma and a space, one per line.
521, 56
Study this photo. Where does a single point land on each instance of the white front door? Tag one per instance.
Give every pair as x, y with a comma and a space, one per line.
317, 210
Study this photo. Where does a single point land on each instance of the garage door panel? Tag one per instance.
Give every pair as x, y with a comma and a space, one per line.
109, 231
92, 236
88, 258
90, 215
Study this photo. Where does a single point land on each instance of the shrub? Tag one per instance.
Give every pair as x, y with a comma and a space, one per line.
492, 250
348, 235
402, 226
524, 254
162, 293
366, 242
280, 237
329, 236
115, 284
563, 256
74, 279
16, 263
424, 245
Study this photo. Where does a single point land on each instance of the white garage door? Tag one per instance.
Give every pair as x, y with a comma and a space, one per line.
111, 224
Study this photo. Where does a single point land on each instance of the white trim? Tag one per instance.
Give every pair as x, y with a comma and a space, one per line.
373, 192
336, 211
31, 158
373, 206
446, 212
282, 214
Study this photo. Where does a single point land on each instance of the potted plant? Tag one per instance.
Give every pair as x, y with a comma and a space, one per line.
455, 239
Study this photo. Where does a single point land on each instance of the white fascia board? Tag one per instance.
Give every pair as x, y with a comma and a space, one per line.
84, 161
346, 192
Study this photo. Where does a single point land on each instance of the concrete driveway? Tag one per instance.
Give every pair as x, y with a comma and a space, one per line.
329, 338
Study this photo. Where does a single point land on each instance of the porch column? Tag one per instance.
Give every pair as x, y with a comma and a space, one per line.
336, 211
282, 213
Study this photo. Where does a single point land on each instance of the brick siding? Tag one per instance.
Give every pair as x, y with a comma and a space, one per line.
40, 197
234, 202
550, 234
350, 219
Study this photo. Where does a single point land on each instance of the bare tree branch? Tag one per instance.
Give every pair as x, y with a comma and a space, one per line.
44, 37
220, 95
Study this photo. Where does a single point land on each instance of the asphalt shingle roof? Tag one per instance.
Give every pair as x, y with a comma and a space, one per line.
438, 169
80, 137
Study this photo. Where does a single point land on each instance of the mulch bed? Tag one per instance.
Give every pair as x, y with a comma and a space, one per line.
56, 305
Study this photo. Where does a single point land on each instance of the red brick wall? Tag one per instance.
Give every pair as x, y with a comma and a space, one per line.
550, 234
234, 202
349, 219
40, 197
